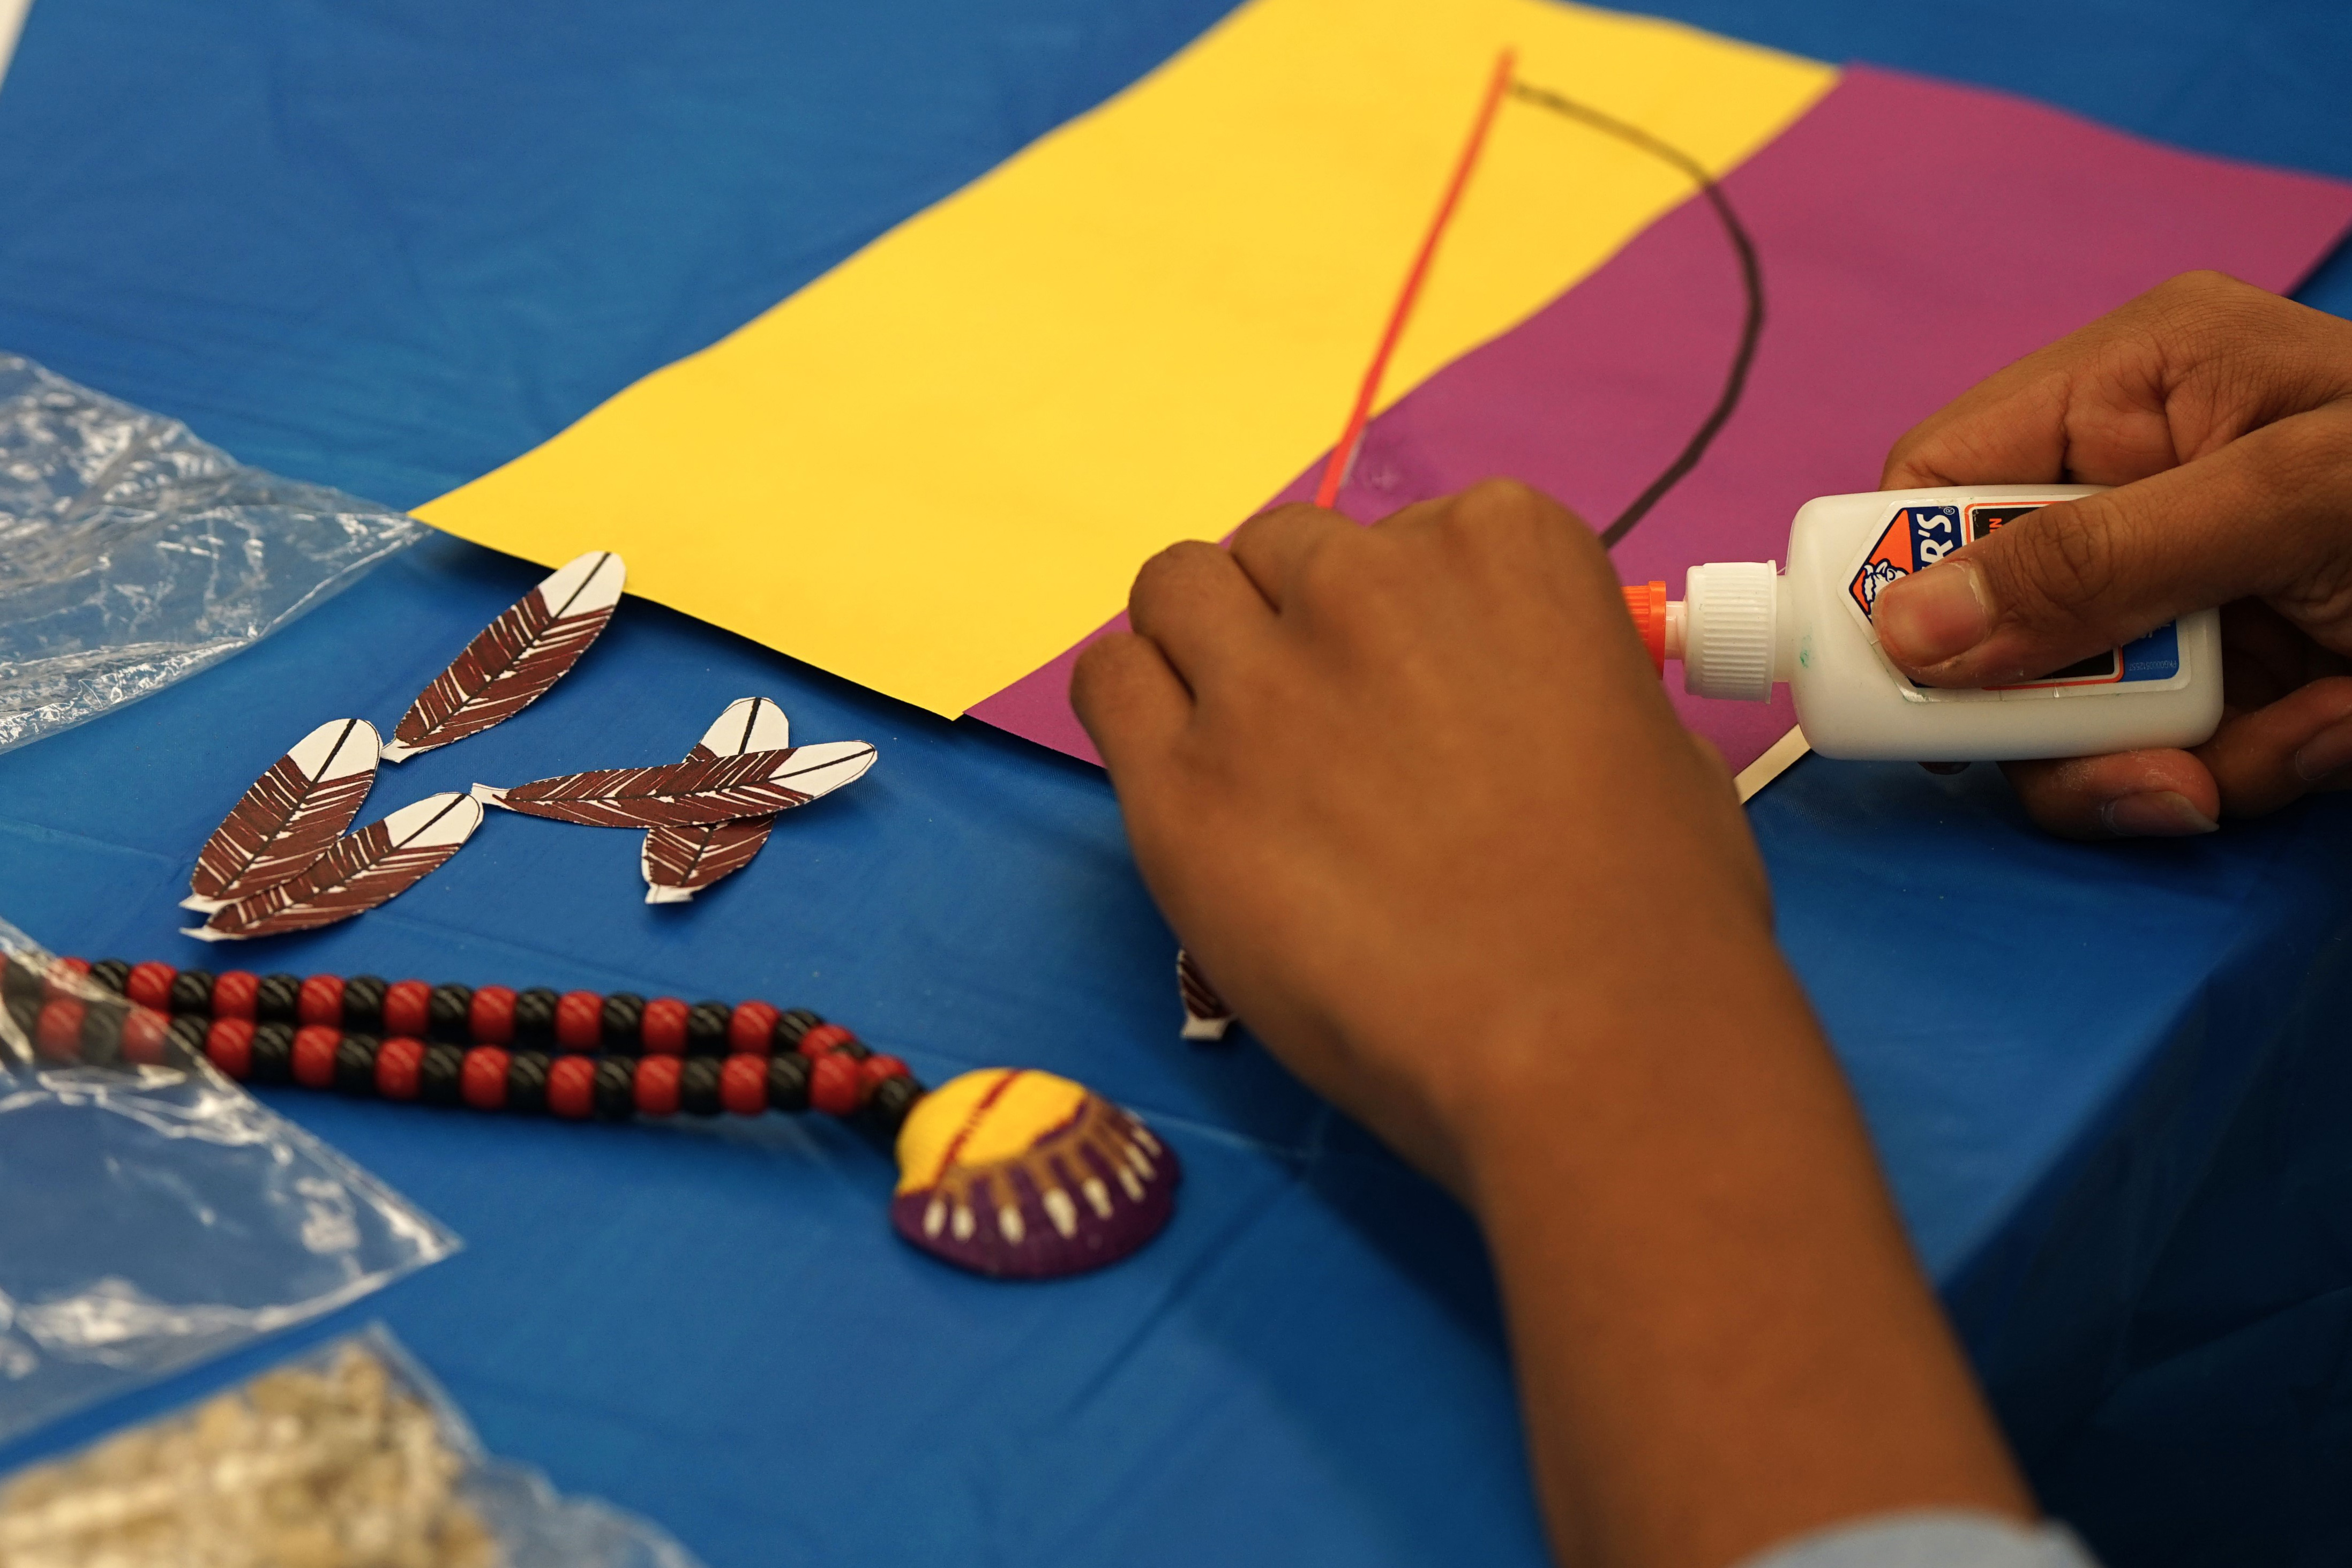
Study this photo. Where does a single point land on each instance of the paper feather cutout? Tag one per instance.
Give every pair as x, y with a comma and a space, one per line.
680, 862
516, 658
1206, 1016
720, 789
290, 816
356, 873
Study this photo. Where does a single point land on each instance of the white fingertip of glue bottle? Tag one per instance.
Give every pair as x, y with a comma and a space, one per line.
1743, 627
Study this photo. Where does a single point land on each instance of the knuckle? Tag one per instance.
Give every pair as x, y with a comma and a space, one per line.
2211, 318
1155, 576
1508, 520
2068, 560
1097, 660
1276, 518
1499, 505
2200, 286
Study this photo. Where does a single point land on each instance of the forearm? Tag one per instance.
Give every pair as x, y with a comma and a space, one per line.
1722, 1337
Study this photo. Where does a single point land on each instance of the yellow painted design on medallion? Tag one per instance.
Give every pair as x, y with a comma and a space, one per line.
1024, 1111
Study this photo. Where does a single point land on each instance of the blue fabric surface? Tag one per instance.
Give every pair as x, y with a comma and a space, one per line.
387, 244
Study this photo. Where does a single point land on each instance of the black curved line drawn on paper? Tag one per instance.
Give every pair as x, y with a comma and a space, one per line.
1750, 273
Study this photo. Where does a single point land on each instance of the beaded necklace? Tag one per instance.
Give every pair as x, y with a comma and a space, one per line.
1006, 1172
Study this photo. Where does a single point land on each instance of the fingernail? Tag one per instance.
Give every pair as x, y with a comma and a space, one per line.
1934, 616
2154, 814
2325, 754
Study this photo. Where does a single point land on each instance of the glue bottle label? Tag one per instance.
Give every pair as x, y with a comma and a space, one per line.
1916, 537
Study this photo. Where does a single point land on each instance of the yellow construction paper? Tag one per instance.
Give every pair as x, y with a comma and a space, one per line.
939, 465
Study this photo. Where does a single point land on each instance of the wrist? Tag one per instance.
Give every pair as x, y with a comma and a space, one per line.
1554, 1077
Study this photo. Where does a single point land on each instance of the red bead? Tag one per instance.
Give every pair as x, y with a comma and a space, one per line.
235, 992
751, 1028
490, 1015
580, 1020
572, 1087
144, 1030
408, 1009
229, 1044
825, 1037
397, 1068
657, 1085
151, 986
315, 1046
56, 1034
320, 1002
663, 1028
836, 1086
875, 1069
62, 971
743, 1084
483, 1080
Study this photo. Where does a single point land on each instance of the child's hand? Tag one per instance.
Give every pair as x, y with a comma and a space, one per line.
1414, 796
2225, 415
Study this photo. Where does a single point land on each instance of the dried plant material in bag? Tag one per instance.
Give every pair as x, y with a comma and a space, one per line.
348, 1457
132, 554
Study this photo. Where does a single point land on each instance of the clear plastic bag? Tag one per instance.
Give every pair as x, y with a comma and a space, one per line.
132, 554
154, 1214
351, 1455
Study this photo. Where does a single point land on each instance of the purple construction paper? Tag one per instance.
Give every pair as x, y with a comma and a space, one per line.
1915, 236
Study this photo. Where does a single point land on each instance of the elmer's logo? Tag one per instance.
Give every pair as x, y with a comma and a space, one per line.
1916, 538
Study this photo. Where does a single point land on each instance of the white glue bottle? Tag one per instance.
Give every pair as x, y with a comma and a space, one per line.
1742, 626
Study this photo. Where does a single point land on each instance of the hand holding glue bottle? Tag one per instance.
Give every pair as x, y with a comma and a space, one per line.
2069, 631
1741, 628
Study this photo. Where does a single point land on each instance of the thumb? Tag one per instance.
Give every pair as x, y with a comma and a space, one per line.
2073, 579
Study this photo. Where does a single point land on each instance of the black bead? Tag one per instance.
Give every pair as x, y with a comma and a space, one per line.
355, 1064
18, 980
625, 1012
24, 1011
697, 1086
705, 1028
273, 1053
788, 1082
441, 1076
277, 998
188, 1032
527, 1083
854, 1048
101, 1033
111, 973
885, 1109
616, 1087
192, 992
452, 1013
790, 1025
534, 1016
363, 1003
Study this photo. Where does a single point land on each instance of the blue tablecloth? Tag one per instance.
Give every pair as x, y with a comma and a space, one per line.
387, 244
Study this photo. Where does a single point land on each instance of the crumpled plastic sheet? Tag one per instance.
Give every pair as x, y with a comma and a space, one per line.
132, 554
532, 1524
152, 1216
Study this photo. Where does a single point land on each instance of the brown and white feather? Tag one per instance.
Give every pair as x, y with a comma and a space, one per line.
357, 874
680, 862
516, 658
680, 794
290, 816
